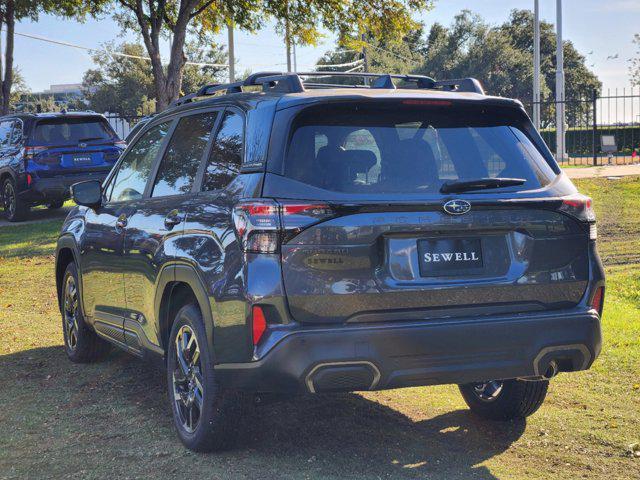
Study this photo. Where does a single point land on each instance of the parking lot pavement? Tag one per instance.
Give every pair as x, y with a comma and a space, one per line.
603, 171
39, 215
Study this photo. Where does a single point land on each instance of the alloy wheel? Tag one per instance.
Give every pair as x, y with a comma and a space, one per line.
188, 392
9, 199
71, 312
488, 391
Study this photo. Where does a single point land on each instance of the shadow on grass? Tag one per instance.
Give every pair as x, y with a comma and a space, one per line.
118, 407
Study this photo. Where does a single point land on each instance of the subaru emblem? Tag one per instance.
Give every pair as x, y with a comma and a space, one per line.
457, 207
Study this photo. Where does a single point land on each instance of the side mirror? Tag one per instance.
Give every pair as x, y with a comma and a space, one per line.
87, 193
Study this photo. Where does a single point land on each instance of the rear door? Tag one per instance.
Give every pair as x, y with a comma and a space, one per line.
393, 247
156, 221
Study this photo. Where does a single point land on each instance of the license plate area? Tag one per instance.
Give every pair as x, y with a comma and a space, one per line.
450, 256
82, 160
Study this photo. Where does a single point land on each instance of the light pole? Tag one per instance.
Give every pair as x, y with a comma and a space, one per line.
560, 98
536, 64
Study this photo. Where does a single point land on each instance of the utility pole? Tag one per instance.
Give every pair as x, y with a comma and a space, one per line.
295, 58
536, 64
365, 54
287, 40
231, 53
560, 98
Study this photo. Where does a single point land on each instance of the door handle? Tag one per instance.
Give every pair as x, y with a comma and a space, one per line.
122, 221
172, 219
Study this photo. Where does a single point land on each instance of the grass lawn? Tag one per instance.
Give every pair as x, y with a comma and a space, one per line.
111, 419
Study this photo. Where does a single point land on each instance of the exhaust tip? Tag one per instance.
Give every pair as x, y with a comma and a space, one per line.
552, 370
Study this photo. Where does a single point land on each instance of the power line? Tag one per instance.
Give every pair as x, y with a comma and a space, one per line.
390, 53
109, 52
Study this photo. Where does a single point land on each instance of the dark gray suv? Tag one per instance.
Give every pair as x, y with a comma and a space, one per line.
281, 236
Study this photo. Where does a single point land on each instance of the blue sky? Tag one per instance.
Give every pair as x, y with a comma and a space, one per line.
604, 27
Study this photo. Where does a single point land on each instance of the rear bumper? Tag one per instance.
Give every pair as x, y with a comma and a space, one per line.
57, 188
457, 351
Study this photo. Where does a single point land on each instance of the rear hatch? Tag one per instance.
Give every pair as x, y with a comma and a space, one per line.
424, 211
68, 144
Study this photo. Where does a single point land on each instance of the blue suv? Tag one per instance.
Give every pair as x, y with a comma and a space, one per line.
42, 155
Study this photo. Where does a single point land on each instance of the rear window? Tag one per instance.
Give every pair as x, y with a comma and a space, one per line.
411, 149
71, 131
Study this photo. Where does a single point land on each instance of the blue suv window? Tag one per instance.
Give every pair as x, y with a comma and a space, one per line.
71, 131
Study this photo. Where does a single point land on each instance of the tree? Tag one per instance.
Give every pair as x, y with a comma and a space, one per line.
12, 11
634, 69
502, 58
154, 18
124, 84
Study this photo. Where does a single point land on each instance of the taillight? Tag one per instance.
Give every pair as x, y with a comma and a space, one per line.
581, 208
262, 225
30, 152
598, 300
259, 324
39, 155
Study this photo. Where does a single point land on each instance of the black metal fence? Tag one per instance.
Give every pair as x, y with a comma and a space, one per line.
601, 129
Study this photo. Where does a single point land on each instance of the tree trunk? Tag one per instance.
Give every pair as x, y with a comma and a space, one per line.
8, 56
167, 83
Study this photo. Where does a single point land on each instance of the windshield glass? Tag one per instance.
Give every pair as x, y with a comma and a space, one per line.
411, 149
71, 131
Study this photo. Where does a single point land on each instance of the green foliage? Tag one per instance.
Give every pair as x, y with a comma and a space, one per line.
501, 57
634, 69
579, 140
124, 85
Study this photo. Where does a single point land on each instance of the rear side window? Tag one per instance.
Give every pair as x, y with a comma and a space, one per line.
184, 154
226, 155
5, 133
71, 131
135, 168
411, 149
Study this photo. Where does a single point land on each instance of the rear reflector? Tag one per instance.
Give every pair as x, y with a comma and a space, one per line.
259, 324
597, 300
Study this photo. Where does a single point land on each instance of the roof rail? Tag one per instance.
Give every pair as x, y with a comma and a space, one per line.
292, 83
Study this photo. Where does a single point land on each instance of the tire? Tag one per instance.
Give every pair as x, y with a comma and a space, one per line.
205, 414
55, 205
14, 209
505, 400
81, 343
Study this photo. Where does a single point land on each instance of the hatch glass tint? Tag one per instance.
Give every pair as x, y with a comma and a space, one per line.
412, 148
72, 131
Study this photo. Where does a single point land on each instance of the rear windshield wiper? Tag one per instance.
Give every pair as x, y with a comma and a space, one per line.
90, 139
479, 184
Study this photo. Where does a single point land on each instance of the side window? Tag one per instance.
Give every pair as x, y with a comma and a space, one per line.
226, 154
184, 153
16, 135
5, 133
135, 168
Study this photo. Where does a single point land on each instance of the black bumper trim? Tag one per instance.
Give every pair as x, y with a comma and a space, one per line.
426, 353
